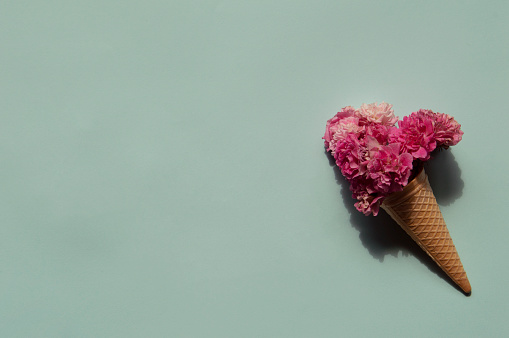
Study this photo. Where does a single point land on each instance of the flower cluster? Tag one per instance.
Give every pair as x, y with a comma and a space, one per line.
375, 156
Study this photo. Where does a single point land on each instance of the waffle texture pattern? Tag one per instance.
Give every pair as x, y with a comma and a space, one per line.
416, 210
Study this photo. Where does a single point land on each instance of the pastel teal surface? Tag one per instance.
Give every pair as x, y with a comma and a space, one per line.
163, 173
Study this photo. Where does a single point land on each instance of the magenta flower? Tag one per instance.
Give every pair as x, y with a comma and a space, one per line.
351, 156
368, 204
447, 130
368, 200
415, 135
379, 132
389, 168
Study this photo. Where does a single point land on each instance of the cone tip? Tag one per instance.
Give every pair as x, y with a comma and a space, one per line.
465, 286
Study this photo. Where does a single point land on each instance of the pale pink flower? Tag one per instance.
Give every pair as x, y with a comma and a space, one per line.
333, 125
374, 113
346, 126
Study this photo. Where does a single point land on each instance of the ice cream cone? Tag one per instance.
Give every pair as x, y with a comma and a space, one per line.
416, 210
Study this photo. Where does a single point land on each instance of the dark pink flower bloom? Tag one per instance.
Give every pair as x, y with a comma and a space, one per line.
368, 204
416, 136
351, 156
447, 130
368, 201
389, 168
378, 131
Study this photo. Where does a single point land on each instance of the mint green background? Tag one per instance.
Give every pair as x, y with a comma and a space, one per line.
163, 173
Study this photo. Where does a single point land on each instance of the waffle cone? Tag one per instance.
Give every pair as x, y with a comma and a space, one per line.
416, 210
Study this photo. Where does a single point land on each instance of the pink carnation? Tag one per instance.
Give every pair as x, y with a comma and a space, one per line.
382, 113
357, 138
368, 204
346, 126
447, 130
416, 136
333, 125
379, 132
389, 168
351, 156
368, 201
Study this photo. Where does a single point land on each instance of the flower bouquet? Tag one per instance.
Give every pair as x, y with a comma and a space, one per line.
384, 165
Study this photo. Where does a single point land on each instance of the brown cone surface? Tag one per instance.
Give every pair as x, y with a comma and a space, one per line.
416, 210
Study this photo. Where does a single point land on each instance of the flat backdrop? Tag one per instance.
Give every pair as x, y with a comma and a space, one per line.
163, 173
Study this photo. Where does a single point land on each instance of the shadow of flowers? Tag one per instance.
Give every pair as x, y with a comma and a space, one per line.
444, 176
381, 235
